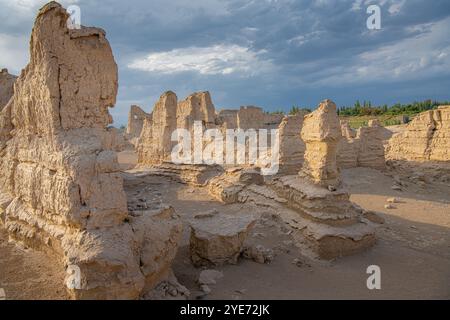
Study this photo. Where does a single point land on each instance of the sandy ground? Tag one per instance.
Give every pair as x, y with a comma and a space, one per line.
29, 274
413, 249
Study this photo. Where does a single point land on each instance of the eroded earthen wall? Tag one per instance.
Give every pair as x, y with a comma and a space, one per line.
60, 184
426, 138
136, 118
6, 87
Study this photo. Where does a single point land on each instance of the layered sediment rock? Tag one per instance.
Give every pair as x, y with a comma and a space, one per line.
59, 174
226, 187
426, 138
195, 175
6, 87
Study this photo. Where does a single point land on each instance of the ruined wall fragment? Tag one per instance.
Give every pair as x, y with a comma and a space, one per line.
196, 107
321, 133
348, 147
60, 174
426, 138
6, 87
292, 147
228, 119
155, 144
136, 118
371, 145
330, 223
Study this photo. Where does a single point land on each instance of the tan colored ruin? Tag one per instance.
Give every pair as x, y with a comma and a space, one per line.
313, 201
136, 119
227, 119
330, 223
348, 147
168, 114
292, 148
155, 144
426, 138
321, 133
61, 190
364, 147
196, 107
6, 87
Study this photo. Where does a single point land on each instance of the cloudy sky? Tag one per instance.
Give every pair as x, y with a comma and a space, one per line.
270, 53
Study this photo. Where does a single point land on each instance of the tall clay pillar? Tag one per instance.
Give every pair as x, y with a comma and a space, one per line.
321, 133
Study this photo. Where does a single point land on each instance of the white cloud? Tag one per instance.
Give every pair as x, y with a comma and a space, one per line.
30, 6
421, 57
396, 6
305, 38
217, 59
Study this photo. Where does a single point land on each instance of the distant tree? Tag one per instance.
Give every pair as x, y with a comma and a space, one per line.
294, 110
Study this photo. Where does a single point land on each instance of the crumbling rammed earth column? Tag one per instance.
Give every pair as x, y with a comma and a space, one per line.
60, 186
331, 225
321, 133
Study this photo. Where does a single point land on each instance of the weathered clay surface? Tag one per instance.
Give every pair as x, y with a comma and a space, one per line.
197, 107
226, 187
348, 147
195, 175
227, 119
321, 133
426, 138
59, 174
292, 148
331, 224
155, 144
371, 146
251, 117
219, 239
136, 119
364, 147
6, 87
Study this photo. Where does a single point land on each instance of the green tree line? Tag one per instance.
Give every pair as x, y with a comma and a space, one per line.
366, 108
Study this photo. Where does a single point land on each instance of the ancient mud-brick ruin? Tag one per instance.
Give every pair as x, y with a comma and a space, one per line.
60, 187
62, 190
292, 148
6, 87
155, 143
321, 133
332, 224
364, 147
136, 119
426, 138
